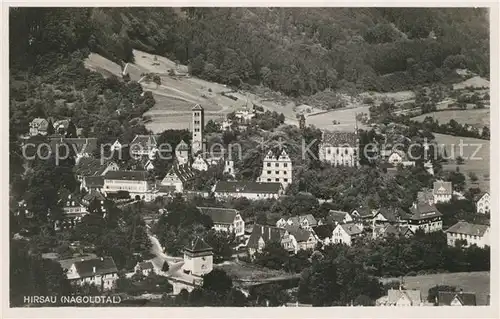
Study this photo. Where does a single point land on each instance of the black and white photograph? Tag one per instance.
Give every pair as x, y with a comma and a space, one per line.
249, 157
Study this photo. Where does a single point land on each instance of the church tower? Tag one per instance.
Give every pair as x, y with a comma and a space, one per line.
198, 126
302, 122
198, 258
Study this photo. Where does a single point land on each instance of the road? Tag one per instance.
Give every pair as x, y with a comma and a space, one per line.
174, 263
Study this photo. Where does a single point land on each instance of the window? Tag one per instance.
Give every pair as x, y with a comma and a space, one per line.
269, 172
337, 150
346, 152
284, 172
285, 180
285, 164
268, 179
268, 164
277, 179
328, 151
277, 172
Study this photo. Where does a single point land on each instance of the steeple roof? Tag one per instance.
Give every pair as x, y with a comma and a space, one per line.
198, 245
197, 107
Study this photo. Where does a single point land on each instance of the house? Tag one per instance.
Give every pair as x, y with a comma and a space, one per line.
250, 190
394, 216
263, 235
198, 258
200, 164
89, 166
346, 234
177, 176
99, 271
73, 210
303, 221
277, 168
144, 267
65, 128
429, 167
225, 219
401, 298
39, 126
182, 153
133, 182
388, 231
452, 298
92, 183
339, 148
117, 145
473, 234
335, 217
244, 115
482, 201
363, 215
324, 233
94, 200
296, 238
144, 145
398, 157
442, 192
229, 167
424, 216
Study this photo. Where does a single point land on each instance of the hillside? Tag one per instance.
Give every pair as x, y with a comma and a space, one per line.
297, 51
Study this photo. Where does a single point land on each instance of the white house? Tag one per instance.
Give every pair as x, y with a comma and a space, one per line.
229, 167
401, 298
144, 145
303, 221
399, 157
483, 203
472, 233
250, 190
263, 235
277, 168
99, 271
346, 234
134, 182
39, 126
425, 217
177, 177
144, 267
335, 217
295, 239
198, 258
442, 191
225, 219
200, 164
182, 153
339, 148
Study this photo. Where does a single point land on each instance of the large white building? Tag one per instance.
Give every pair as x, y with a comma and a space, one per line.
442, 191
471, 233
339, 148
277, 168
225, 219
134, 182
244, 189
101, 272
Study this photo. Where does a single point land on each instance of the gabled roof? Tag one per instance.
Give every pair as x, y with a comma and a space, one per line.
424, 211
145, 265
267, 233
395, 294
127, 175
396, 230
336, 139
335, 216
42, 123
105, 265
94, 181
442, 188
246, 187
198, 245
466, 228
92, 195
197, 107
323, 231
297, 220
300, 234
480, 196
364, 212
220, 215
183, 172
182, 146
393, 214
400, 153
146, 142
89, 166
466, 298
351, 229
64, 123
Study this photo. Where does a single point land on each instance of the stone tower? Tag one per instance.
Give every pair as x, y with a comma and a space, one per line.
198, 258
198, 126
302, 122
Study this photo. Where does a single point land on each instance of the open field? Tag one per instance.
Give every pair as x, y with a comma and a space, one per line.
245, 271
479, 164
398, 97
478, 282
477, 118
345, 116
475, 82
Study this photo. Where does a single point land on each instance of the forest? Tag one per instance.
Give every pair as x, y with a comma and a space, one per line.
297, 51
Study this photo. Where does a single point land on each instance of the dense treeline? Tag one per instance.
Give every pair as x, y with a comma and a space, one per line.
295, 51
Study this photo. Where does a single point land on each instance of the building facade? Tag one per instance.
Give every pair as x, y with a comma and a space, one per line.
470, 234
483, 204
225, 219
244, 189
339, 149
277, 168
39, 126
198, 127
346, 234
134, 182
198, 258
101, 272
442, 191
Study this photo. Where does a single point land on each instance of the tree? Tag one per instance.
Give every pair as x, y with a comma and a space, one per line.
217, 281
459, 160
212, 127
273, 256
473, 177
165, 267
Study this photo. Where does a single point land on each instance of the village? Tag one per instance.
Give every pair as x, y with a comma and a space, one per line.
109, 181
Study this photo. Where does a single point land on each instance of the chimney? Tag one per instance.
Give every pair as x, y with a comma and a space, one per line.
93, 270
